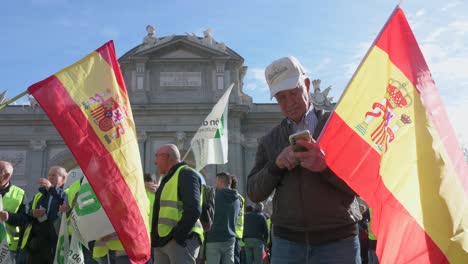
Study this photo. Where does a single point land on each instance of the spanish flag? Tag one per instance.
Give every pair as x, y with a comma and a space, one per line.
88, 104
390, 140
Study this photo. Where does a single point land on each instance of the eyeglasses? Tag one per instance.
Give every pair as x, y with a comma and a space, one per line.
159, 154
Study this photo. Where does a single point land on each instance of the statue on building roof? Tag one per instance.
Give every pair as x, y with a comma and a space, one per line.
33, 105
207, 37
3, 97
320, 99
207, 40
150, 39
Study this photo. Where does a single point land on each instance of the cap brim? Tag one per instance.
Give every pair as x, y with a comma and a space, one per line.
288, 84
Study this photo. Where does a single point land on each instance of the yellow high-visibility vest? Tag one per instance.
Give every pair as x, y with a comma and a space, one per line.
11, 203
71, 192
269, 230
369, 231
151, 197
240, 219
27, 231
101, 248
171, 209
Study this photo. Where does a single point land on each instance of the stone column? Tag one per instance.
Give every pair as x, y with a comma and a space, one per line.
249, 151
236, 159
142, 136
36, 166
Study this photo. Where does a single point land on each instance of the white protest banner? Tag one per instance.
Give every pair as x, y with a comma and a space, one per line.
5, 257
210, 143
61, 251
88, 219
75, 255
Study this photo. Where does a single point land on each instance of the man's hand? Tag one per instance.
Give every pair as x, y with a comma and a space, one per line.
45, 183
313, 159
108, 237
64, 207
151, 186
286, 159
38, 213
3, 216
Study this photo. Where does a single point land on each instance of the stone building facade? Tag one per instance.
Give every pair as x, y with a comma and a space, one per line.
173, 83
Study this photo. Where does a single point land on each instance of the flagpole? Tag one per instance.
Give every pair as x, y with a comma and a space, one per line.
13, 99
186, 153
360, 64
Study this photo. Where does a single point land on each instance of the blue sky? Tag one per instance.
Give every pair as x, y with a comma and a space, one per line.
40, 37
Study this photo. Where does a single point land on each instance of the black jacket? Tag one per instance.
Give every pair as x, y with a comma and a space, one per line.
308, 207
44, 235
227, 207
255, 226
189, 193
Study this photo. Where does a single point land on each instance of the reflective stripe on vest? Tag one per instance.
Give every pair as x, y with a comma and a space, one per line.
171, 209
151, 196
11, 203
269, 230
71, 192
369, 231
27, 231
101, 248
240, 219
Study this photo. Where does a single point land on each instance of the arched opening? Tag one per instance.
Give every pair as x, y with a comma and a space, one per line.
65, 159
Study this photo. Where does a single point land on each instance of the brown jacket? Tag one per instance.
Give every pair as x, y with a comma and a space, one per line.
308, 207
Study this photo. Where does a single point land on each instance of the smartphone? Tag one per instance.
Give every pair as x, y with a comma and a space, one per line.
305, 134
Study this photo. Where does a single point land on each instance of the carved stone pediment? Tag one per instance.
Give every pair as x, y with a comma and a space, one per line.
179, 47
180, 54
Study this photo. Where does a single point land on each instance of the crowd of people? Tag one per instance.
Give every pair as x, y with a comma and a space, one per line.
316, 217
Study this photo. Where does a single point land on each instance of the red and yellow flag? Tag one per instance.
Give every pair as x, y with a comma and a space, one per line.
390, 140
88, 104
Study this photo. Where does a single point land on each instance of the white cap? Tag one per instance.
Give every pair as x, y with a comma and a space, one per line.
284, 74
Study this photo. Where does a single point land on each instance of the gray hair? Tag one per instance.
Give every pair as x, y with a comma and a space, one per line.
303, 86
7, 167
61, 170
173, 151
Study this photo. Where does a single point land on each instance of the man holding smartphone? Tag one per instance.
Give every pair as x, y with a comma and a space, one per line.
315, 213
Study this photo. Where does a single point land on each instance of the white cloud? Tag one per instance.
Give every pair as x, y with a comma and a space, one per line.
110, 33
433, 51
449, 6
356, 58
451, 68
444, 48
457, 115
442, 38
251, 86
258, 74
321, 65
420, 12
460, 27
445, 51
434, 35
255, 80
